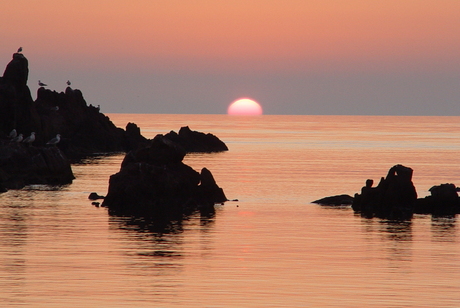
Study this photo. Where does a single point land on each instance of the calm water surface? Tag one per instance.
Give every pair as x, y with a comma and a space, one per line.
272, 248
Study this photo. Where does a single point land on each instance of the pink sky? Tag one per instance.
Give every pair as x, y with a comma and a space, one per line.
203, 54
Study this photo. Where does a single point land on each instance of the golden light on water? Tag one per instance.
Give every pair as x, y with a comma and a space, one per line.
245, 106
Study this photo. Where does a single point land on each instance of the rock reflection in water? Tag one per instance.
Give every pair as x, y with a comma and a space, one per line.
160, 238
444, 229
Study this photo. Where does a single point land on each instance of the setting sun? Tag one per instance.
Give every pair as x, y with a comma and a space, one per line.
244, 106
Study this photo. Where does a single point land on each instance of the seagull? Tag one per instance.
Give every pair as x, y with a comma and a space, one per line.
13, 134
55, 140
68, 82
41, 84
19, 49
30, 139
18, 138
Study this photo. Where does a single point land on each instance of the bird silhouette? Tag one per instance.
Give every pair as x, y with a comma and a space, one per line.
13, 134
68, 82
19, 49
55, 140
41, 84
30, 139
18, 138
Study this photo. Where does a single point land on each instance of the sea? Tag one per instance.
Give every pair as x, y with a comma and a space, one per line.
272, 247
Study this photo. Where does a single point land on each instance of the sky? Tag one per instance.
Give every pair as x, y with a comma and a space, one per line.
303, 57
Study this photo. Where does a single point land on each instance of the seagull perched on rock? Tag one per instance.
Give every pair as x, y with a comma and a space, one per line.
68, 82
19, 49
13, 134
30, 139
55, 140
17, 139
41, 84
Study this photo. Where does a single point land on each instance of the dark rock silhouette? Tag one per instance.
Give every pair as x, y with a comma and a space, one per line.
394, 197
193, 141
444, 201
335, 200
154, 183
84, 130
95, 196
21, 165
81, 130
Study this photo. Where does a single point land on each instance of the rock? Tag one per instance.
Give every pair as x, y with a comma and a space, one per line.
444, 201
17, 71
95, 196
335, 200
394, 197
84, 129
154, 183
22, 165
134, 139
193, 141
208, 190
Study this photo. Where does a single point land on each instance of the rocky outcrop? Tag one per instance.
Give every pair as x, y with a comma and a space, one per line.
83, 128
21, 165
444, 201
393, 198
83, 131
193, 141
154, 182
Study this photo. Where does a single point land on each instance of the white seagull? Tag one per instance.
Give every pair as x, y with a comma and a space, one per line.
13, 134
30, 139
55, 140
18, 138
41, 84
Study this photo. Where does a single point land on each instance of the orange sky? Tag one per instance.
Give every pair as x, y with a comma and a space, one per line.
270, 37
236, 34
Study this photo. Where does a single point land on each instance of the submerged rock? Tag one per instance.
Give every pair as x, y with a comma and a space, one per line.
95, 196
154, 182
335, 200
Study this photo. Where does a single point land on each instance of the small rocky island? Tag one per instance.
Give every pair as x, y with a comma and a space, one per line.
154, 183
395, 198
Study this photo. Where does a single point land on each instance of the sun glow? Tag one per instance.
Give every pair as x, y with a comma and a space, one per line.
244, 106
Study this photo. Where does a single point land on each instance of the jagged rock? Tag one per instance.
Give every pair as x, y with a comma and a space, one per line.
335, 200
444, 201
208, 190
21, 165
154, 182
134, 138
193, 141
84, 129
393, 198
